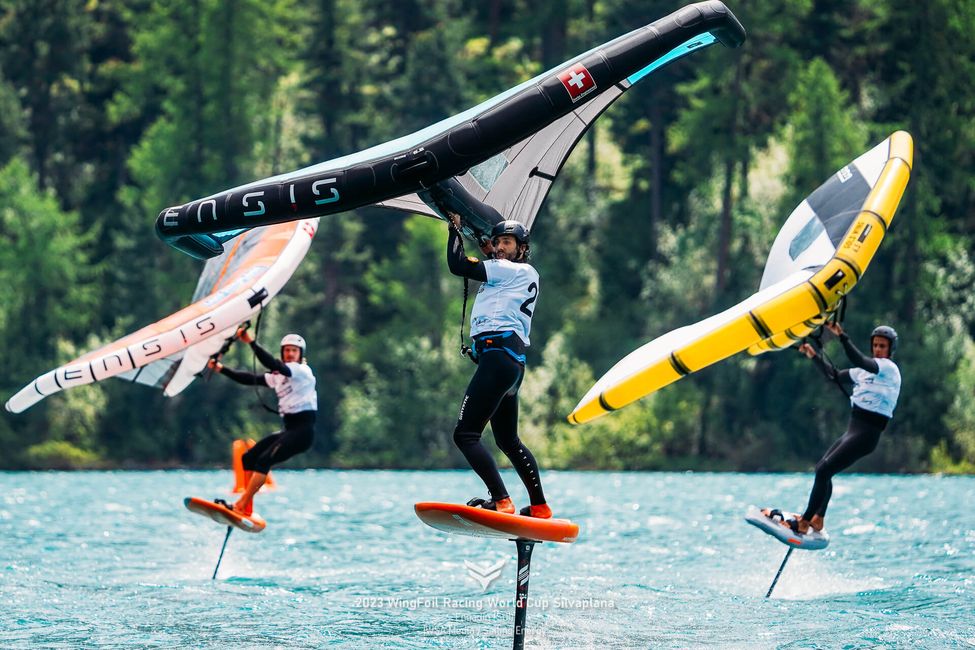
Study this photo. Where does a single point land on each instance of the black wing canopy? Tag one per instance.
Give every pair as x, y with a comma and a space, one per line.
514, 183
504, 153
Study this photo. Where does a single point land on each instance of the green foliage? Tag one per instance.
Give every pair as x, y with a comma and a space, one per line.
45, 277
404, 417
823, 131
59, 454
12, 129
957, 455
112, 111
46, 49
402, 410
409, 292
944, 462
76, 414
631, 439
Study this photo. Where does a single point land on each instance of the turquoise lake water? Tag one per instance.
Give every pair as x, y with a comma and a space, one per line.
664, 560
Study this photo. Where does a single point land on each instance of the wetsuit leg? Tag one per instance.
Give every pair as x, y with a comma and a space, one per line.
297, 437
496, 374
822, 489
860, 439
504, 423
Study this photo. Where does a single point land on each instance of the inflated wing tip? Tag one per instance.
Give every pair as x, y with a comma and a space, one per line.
902, 147
732, 34
202, 247
579, 417
886, 195
23, 399
588, 410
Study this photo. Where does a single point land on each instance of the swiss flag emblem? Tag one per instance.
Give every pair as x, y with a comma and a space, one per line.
577, 81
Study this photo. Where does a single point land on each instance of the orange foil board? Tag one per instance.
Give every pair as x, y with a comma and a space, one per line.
221, 515
478, 522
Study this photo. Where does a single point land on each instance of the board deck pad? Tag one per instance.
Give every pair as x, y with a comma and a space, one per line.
478, 522
247, 523
811, 541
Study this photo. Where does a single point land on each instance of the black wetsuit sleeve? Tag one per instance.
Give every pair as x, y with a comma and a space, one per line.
460, 264
825, 367
857, 358
845, 381
242, 377
841, 377
269, 361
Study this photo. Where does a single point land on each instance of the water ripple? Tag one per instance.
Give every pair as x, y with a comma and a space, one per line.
345, 564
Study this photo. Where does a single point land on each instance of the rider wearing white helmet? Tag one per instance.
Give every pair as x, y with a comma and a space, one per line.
294, 383
295, 340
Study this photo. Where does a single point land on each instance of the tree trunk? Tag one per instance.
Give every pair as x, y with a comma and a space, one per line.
553, 38
591, 135
727, 194
198, 96
494, 21
328, 94
656, 171
228, 102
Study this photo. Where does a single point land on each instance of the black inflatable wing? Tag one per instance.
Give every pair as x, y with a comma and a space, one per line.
514, 183
495, 160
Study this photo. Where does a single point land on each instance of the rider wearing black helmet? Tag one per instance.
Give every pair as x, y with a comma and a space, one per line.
886, 332
517, 230
873, 385
500, 325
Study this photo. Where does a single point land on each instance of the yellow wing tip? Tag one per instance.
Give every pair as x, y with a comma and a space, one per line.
585, 412
902, 146
577, 416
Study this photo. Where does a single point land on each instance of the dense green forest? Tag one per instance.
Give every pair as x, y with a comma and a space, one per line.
111, 110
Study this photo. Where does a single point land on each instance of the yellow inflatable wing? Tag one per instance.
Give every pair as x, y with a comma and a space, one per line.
820, 253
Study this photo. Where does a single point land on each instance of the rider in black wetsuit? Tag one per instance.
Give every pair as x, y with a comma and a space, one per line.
294, 383
873, 385
500, 325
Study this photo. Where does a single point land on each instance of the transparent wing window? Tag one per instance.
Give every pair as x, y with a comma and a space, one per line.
804, 239
487, 173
